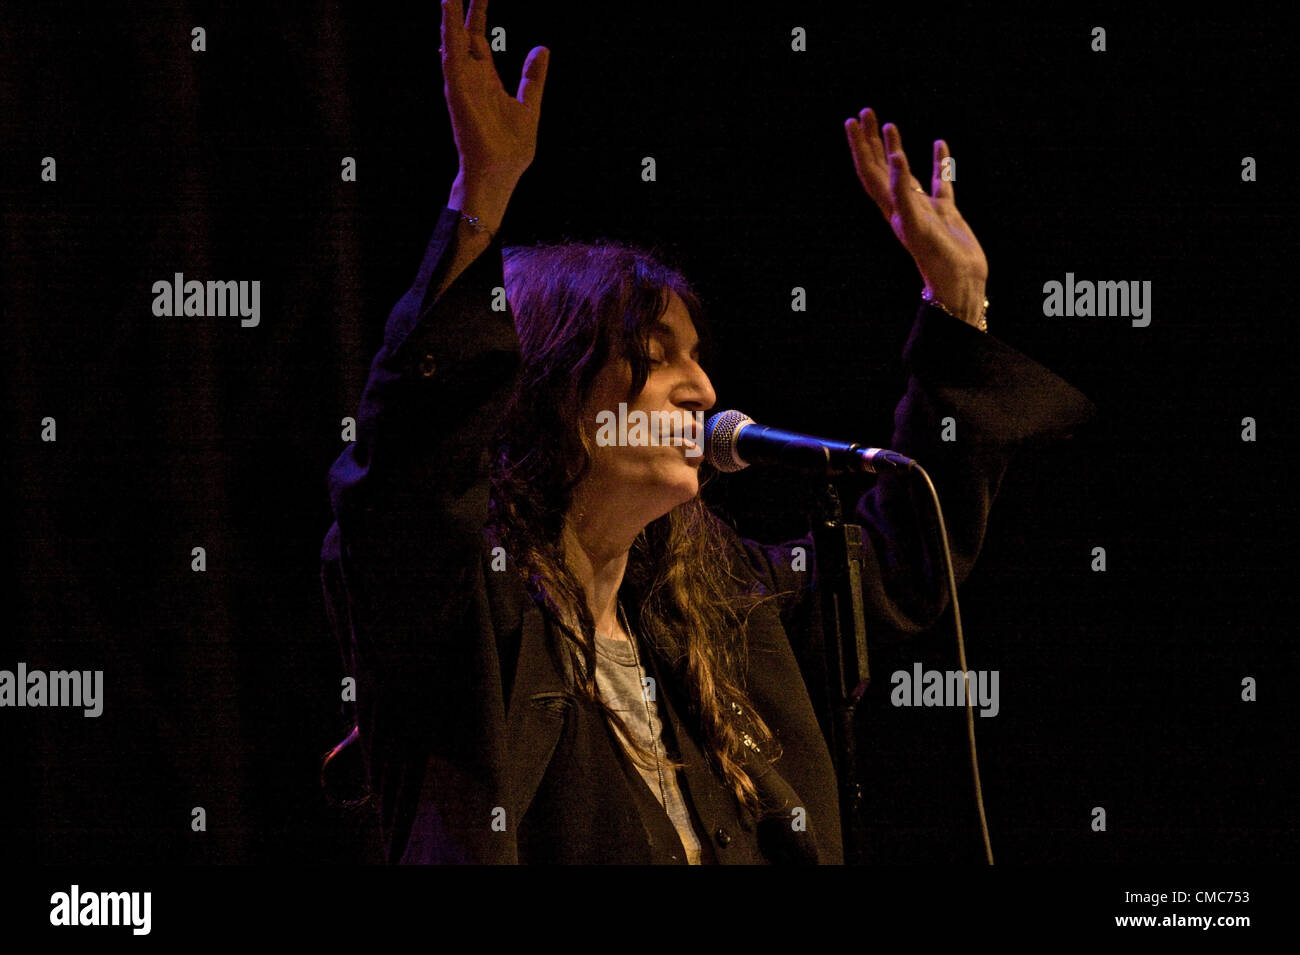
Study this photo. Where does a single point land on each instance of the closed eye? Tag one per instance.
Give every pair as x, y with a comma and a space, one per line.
664, 340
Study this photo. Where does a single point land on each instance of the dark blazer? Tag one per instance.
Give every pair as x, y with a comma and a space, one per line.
474, 744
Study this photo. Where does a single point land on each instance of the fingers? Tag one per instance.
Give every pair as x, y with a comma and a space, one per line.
465, 34
894, 148
476, 21
533, 79
903, 187
454, 42
882, 167
476, 29
939, 187
857, 149
869, 158
871, 135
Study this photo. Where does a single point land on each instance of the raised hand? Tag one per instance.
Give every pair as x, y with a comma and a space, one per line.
495, 133
927, 224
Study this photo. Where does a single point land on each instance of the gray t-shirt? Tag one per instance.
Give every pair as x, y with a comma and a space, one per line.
618, 680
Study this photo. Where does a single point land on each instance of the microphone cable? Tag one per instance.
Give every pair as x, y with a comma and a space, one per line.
961, 659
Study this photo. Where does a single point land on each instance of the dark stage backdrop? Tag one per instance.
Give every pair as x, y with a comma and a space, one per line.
1160, 688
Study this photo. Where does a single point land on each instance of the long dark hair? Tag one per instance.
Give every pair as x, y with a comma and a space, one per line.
578, 306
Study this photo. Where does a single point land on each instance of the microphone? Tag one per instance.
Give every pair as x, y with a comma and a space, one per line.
733, 441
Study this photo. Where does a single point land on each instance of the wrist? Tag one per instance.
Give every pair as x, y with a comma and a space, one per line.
966, 302
485, 200
962, 298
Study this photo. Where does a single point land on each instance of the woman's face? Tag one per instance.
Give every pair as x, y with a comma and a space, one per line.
650, 477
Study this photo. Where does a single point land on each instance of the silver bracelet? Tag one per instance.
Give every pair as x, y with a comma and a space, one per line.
928, 297
478, 226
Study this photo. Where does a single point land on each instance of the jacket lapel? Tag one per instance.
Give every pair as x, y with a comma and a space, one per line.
539, 705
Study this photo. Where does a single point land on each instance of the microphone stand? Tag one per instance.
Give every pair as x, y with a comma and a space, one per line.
844, 646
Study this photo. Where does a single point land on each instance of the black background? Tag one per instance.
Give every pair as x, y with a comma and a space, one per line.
1118, 689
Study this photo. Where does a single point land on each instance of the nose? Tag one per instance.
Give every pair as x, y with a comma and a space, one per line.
695, 391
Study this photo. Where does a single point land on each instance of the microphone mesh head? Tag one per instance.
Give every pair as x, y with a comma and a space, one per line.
720, 440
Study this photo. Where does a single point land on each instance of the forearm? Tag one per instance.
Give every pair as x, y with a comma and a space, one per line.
971, 403
436, 388
485, 200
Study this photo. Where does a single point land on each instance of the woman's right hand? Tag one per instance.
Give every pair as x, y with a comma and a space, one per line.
496, 134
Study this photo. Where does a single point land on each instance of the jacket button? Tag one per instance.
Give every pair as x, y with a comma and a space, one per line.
722, 836
428, 366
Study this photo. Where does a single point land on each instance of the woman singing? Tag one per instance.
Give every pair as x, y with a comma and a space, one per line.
561, 655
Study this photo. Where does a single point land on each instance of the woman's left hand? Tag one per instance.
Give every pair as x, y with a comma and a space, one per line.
928, 224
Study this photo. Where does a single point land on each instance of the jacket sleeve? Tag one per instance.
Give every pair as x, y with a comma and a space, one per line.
402, 567
998, 401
